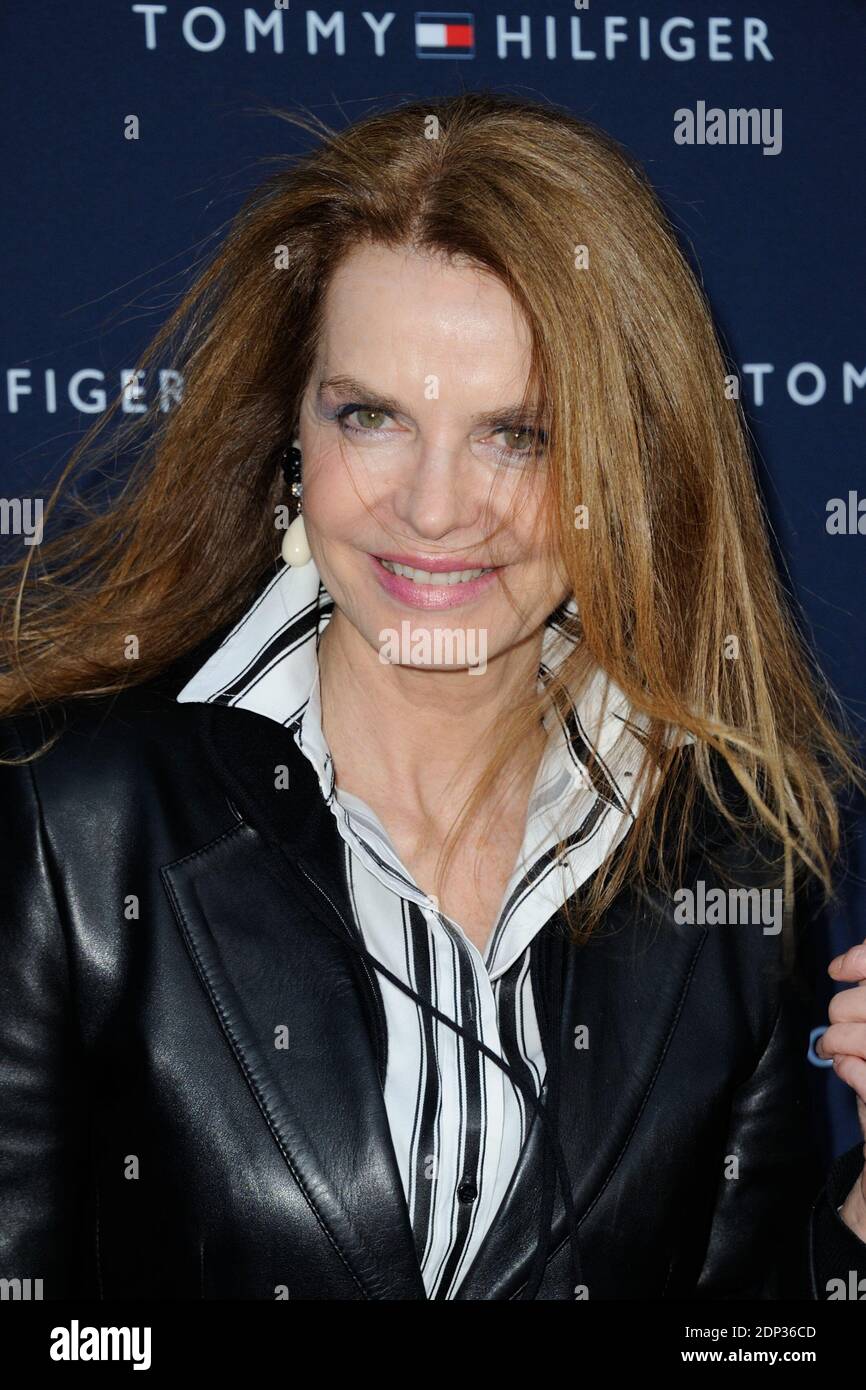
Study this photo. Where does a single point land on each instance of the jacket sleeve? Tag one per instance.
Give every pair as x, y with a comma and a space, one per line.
772, 1237
837, 1256
43, 1110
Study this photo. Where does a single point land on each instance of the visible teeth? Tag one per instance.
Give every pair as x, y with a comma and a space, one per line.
425, 577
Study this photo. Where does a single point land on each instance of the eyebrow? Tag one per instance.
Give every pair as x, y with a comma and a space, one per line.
506, 416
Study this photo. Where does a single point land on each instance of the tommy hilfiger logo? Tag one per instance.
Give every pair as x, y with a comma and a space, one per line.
444, 35
558, 35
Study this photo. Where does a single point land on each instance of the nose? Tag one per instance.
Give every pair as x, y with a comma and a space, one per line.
436, 493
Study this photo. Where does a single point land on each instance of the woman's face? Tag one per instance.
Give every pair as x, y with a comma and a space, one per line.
415, 451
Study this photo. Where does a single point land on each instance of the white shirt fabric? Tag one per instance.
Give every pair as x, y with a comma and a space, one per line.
457, 1122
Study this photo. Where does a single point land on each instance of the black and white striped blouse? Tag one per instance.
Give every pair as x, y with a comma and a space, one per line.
457, 1123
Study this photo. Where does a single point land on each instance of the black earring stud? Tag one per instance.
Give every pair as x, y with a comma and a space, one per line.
290, 462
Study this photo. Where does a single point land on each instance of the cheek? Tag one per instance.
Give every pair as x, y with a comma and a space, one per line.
334, 493
532, 539
536, 549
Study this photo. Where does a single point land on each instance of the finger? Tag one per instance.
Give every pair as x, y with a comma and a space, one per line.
848, 1006
851, 965
852, 1070
820, 1050
847, 1038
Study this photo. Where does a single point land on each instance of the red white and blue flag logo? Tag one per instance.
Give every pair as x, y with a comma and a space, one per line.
439, 35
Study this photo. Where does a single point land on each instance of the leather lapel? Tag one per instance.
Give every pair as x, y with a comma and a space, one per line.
627, 985
257, 933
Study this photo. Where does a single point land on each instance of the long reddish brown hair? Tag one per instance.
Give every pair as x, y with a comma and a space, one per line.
675, 560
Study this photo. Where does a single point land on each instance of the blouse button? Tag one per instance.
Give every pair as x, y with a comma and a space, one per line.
467, 1190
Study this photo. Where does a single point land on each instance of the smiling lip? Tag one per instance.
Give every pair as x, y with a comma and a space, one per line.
430, 596
435, 565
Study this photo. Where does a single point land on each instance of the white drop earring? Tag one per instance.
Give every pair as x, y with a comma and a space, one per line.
295, 549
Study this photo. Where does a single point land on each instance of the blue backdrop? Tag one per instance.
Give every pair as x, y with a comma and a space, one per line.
101, 230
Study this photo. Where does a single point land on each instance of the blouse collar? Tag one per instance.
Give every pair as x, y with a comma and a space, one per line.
268, 663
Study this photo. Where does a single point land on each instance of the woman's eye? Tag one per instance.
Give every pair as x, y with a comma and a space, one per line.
524, 441
378, 416
526, 435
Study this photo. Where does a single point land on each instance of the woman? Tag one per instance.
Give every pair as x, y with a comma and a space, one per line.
356, 939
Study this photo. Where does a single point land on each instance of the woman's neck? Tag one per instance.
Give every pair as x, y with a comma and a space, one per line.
421, 735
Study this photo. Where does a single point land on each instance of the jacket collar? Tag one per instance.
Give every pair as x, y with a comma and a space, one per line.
265, 942
259, 909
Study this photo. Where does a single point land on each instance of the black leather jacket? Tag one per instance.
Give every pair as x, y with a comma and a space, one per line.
165, 908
